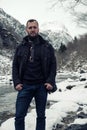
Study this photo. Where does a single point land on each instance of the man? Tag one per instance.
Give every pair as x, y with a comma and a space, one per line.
33, 71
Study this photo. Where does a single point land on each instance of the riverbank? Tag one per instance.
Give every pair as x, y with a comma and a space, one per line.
5, 79
65, 108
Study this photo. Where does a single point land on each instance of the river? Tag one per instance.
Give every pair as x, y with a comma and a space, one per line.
7, 101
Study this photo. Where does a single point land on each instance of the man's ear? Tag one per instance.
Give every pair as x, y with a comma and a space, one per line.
26, 29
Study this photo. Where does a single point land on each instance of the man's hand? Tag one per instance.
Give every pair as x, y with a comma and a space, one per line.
48, 86
19, 87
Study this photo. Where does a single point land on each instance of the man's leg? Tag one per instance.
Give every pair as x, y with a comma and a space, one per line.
41, 99
22, 103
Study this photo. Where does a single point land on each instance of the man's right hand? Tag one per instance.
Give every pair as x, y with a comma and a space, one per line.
19, 87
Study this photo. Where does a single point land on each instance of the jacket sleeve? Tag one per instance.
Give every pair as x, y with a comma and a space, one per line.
53, 67
15, 69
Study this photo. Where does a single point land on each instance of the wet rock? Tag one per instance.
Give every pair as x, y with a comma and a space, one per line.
82, 79
82, 115
77, 127
82, 71
80, 108
70, 118
65, 121
5, 115
60, 90
85, 86
57, 127
70, 87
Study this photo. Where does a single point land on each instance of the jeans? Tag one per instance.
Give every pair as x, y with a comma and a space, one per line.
23, 101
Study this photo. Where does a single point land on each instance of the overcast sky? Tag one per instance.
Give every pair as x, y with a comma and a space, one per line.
26, 9
23, 10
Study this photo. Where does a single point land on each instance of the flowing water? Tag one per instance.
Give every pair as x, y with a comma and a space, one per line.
7, 101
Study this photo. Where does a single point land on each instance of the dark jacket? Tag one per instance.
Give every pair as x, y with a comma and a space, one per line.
48, 61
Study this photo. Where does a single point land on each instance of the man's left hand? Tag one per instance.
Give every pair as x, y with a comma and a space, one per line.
48, 86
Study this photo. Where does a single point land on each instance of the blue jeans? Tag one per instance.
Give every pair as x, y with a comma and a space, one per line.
23, 102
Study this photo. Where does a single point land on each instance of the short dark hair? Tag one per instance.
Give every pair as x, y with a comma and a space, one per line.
31, 20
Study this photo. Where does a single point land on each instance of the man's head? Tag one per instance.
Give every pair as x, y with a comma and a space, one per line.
32, 27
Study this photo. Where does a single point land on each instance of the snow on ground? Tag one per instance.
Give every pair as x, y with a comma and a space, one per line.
5, 69
65, 100
5, 79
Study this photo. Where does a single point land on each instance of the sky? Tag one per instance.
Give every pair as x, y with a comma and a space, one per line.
23, 10
63, 102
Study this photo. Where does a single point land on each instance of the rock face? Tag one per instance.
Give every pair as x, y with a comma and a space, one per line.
11, 31
69, 119
7, 38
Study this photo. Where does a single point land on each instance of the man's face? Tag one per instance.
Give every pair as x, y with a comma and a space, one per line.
32, 28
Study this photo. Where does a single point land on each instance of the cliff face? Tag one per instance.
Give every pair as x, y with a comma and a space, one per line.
11, 31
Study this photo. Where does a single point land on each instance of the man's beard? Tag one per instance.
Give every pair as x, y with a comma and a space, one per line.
33, 37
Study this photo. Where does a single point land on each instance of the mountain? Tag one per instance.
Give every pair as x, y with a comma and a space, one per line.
56, 33
11, 30
11, 33
56, 38
11, 23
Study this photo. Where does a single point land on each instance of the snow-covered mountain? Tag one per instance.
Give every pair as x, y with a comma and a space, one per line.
57, 33
52, 31
8, 21
11, 33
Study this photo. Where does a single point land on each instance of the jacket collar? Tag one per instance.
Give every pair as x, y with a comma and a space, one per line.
38, 40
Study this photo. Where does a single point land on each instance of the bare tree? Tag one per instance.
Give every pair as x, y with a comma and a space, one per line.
70, 3
72, 7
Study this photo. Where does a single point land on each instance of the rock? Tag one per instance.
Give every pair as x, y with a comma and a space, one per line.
82, 115
82, 71
82, 79
70, 87
77, 127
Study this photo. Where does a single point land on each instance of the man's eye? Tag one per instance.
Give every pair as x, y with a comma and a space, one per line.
34, 27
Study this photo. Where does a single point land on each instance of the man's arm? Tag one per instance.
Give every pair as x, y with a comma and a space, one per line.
52, 74
15, 70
